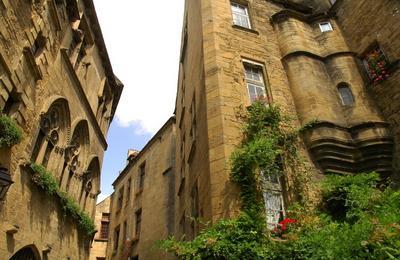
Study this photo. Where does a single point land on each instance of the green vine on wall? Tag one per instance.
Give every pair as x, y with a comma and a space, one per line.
46, 181
366, 228
10, 132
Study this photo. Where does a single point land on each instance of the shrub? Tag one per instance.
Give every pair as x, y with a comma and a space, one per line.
355, 220
10, 132
48, 183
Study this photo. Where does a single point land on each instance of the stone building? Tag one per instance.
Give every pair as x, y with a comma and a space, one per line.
102, 221
142, 205
305, 57
57, 82
333, 63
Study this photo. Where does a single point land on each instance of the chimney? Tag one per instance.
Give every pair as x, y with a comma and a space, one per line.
132, 153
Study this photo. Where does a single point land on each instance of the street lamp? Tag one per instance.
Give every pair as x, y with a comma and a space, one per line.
5, 182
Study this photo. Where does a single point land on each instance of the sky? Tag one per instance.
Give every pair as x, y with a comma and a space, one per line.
143, 42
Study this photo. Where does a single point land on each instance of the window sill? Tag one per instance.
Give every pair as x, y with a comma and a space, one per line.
235, 26
101, 240
135, 239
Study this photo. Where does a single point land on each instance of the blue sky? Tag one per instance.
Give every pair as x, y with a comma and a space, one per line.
143, 42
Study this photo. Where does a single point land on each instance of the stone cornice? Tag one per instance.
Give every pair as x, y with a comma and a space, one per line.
115, 83
82, 97
308, 18
316, 56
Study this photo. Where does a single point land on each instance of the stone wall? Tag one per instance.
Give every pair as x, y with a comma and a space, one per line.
64, 106
154, 200
99, 245
364, 24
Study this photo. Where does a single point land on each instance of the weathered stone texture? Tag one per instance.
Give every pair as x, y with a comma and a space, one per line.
40, 73
365, 23
99, 245
155, 200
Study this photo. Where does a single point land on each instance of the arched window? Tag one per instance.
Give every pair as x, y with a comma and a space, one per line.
74, 158
346, 96
53, 132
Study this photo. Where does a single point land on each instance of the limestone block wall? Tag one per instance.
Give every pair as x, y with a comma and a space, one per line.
154, 200
99, 245
40, 82
225, 50
317, 63
364, 24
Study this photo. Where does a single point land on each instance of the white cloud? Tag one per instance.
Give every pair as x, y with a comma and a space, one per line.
143, 42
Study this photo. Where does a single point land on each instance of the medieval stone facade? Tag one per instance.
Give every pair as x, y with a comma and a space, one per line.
142, 205
56, 81
332, 63
102, 221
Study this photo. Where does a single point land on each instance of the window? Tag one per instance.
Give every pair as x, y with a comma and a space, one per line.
195, 202
142, 174
120, 198
240, 15
138, 222
126, 235
255, 82
325, 27
193, 119
105, 225
38, 45
345, 95
376, 64
128, 190
273, 200
182, 224
116, 238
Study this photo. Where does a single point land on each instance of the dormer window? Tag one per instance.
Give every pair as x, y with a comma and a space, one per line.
325, 27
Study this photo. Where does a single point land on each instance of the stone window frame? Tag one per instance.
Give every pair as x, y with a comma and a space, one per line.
247, 15
104, 226
322, 25
342, 95
263, 83
117, 233
128, 191
387, 65
138, 222
141, 175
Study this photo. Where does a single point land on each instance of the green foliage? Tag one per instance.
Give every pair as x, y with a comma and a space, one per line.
10, 132
373, 234
355, 220
48, 183
44, 179
267, 142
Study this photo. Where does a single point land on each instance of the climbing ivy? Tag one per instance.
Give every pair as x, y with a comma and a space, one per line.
367, 226
10, 132
49, 184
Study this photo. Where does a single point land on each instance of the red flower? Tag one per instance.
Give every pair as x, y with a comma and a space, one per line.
283, 224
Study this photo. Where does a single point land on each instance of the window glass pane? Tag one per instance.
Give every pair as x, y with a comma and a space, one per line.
260, 92
274, 208
325, 27
345, 95
240, 15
